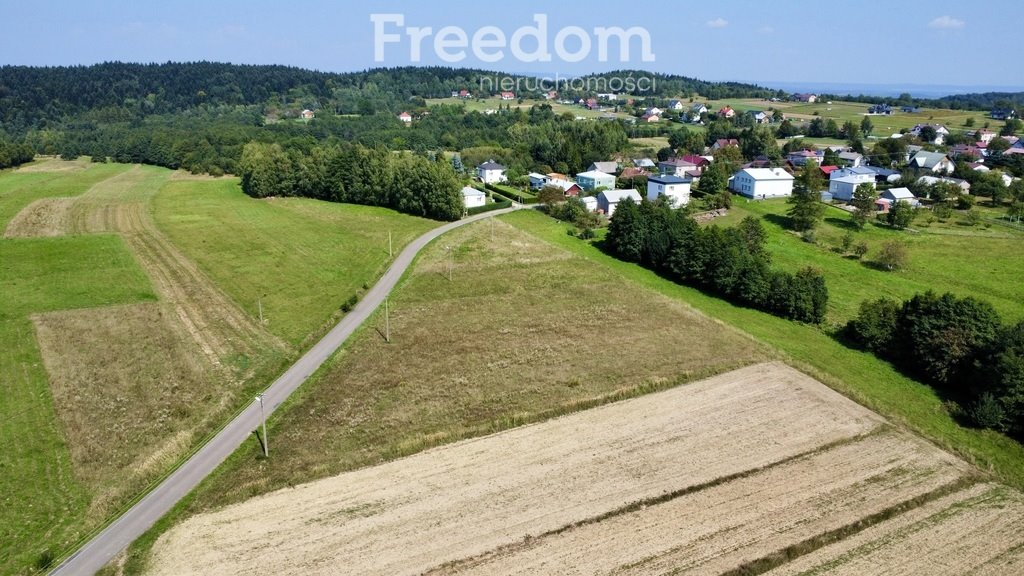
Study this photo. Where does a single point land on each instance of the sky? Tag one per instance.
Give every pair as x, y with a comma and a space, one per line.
906, 43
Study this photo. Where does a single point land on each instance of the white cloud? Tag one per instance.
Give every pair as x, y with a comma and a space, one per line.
718, 23
947, 23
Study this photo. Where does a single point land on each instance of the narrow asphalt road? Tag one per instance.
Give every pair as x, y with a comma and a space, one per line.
139, 518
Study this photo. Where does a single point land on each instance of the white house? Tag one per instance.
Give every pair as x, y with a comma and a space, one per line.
609, 199
405, 117
842, 188
675, 188
940, 132
675, 105
932, 162
308, 114
894, 195
590, 202
491, 172
471, 197
964, 185
763, 183
698, 109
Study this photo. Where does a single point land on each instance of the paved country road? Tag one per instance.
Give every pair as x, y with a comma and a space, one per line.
139, 518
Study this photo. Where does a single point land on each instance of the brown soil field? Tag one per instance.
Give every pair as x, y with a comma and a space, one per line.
758, 428
978, 531
45, 217
715, 530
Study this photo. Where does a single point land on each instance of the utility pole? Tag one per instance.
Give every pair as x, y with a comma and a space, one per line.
387, 322
390, 254
263, 416
259, 304
451, 262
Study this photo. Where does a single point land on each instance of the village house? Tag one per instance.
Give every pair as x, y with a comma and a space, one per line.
726, 112
893, 195
650, 118
698, 109
1003, 114
851, 158
609, 167
307, 114
723, 142
589, 202
607, 200
801, 157
676, 189
405, 117
645, 163
593, 179
809, 98
964, 185
472, 198
940, 132
491, 172
676, 167
675, 105
761, 183
537, 181
937, 162
508, 95
843, 182
880, 110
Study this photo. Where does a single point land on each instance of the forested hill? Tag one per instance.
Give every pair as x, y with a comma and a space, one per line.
40, 97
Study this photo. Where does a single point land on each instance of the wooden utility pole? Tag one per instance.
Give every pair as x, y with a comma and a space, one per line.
387, 322
390, 254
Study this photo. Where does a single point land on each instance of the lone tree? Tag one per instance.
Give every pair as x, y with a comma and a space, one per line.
866, 126
807, 210
864, 197
900, 215
894, 256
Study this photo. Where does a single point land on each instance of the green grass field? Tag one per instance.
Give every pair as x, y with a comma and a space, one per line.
300, 258
37, 181
44, 503
977, 261
859, 375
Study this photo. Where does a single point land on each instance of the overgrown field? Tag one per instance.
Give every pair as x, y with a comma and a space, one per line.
860, 375
523, 331
119, 352
738, 473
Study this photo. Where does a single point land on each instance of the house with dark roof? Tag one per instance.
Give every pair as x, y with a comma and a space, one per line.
609, 167
1003, 113
809, 98
676, 189
880, 109
491, 172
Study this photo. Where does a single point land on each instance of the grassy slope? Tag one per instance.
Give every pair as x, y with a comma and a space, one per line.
302, 257
943, 256
20, 188
855, 111
43, 502
859, 375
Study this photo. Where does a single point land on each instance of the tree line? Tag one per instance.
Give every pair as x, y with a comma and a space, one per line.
957, 345
408, 183
14, 154
730, 262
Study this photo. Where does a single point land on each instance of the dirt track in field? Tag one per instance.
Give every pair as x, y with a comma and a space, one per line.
120, 205
474, 497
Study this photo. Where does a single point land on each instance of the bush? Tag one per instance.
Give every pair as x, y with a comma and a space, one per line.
874, 327
893, 256
987, 412
349, 304
860, 249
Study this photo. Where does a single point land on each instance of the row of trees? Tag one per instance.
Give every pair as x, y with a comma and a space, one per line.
350, 173
731, 262
958, 345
